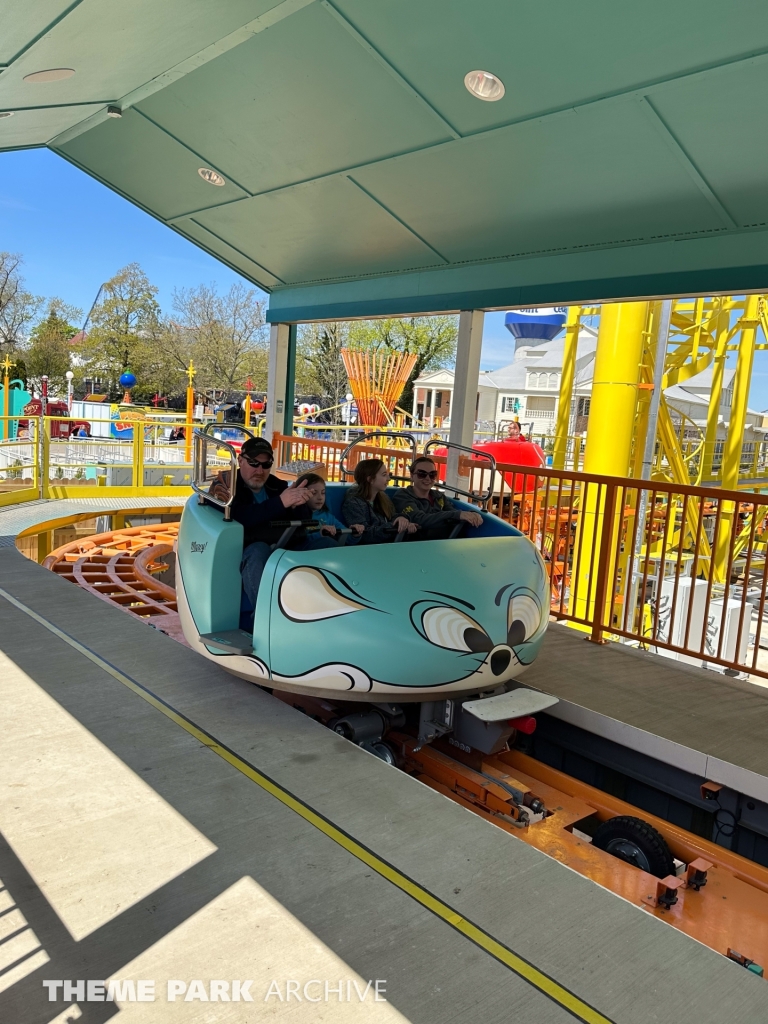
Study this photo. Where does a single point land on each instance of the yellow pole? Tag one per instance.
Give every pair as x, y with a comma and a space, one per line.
247, 410
618, 360
713, 413
5, 430
190, 413
566, 387
749, 324
614, 388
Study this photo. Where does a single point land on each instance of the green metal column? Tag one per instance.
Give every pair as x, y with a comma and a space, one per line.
290, 379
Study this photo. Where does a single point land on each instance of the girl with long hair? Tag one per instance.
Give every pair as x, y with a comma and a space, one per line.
368, 505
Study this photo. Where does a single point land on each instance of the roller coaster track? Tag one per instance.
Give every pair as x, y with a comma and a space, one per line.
121, 567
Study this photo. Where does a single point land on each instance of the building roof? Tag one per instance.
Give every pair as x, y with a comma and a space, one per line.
348, 170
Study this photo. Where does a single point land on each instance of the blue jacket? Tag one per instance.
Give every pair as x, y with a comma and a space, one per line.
328, 518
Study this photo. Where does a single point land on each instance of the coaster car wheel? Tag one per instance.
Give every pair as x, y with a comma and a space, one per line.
636, 842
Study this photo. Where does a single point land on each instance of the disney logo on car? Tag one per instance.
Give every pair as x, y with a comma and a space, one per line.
196, 547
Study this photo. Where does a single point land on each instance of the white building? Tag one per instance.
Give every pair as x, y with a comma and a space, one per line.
528, 389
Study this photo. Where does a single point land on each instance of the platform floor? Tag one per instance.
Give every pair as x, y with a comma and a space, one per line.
15, 519
162, 820
696, 719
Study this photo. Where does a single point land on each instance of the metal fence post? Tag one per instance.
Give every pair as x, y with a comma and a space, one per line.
607, 545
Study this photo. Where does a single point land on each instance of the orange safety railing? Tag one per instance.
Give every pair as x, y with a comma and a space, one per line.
677, 569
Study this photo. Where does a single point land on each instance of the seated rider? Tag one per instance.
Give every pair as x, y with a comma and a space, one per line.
260, 499
369, 506
315, 484
430, 509
514, 431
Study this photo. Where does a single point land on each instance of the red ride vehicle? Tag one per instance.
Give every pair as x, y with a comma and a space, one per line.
61, 429
515, 450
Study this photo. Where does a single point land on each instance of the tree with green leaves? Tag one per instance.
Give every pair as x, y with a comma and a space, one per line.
226, 335
432, 338
18, 307
319, 367
49, 349
124, 328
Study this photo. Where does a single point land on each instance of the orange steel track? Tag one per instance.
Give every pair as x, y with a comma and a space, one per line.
729, 912
119, 567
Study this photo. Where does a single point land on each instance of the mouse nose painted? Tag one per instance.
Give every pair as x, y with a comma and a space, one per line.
500, 660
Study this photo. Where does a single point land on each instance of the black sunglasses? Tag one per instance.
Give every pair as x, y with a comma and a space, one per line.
258, 463
423, 474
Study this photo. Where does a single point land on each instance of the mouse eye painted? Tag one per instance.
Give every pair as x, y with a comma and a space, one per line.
525, 617
306, 595
451, 629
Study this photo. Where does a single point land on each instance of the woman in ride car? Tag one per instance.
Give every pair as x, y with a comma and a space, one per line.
367, 504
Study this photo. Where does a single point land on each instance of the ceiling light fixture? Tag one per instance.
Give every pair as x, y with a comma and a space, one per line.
6, 113
211, 176
484, 85
114, 112
51, 75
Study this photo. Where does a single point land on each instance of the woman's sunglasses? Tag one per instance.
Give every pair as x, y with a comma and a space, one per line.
258, 463
423, 474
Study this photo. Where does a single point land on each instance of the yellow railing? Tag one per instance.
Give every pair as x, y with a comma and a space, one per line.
42, 460
677, 569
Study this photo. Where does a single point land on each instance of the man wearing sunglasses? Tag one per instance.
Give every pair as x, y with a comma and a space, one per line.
432, 510
259, 499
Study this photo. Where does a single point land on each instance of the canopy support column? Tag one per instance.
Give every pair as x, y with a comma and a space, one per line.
282, 360
465, 392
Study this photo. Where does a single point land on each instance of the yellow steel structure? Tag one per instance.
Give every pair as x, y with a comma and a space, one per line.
620, 343
704, 332
748, 326
566, 386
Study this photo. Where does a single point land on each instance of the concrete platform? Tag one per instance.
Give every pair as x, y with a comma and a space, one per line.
15, 519
141, 840
706, 723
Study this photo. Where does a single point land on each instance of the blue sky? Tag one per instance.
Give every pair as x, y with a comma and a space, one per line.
74, 234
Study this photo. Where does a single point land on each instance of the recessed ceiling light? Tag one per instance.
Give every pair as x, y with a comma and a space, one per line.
114, 112
52, 75
6, 113
211, 176
484, 85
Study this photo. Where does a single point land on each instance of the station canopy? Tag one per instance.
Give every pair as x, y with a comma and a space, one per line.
349, 171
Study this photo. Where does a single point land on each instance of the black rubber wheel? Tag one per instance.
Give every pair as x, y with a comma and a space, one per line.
636, 842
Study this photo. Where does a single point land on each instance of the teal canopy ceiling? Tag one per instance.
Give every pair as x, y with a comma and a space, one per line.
627, 157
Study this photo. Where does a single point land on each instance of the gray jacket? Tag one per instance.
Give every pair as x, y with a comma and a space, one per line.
355, 509
428, 514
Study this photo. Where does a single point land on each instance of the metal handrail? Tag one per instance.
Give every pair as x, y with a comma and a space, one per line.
199, 464
379, 433
484, 496
209, 427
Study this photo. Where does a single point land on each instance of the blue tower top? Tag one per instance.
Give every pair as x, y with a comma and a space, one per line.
543, 324
127, 379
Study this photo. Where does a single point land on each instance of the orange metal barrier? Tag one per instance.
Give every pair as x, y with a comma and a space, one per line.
674, 568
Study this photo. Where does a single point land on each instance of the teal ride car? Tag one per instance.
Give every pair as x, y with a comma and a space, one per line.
401, 622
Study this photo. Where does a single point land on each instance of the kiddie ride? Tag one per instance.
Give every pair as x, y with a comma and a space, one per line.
412, 651
428, 637
61, 428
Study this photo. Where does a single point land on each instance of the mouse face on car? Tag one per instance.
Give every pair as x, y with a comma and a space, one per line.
461, 617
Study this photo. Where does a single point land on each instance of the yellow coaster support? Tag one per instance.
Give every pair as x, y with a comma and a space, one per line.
748, 325
572, 327
618, 362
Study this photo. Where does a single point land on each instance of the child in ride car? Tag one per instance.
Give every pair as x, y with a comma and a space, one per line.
315, 485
